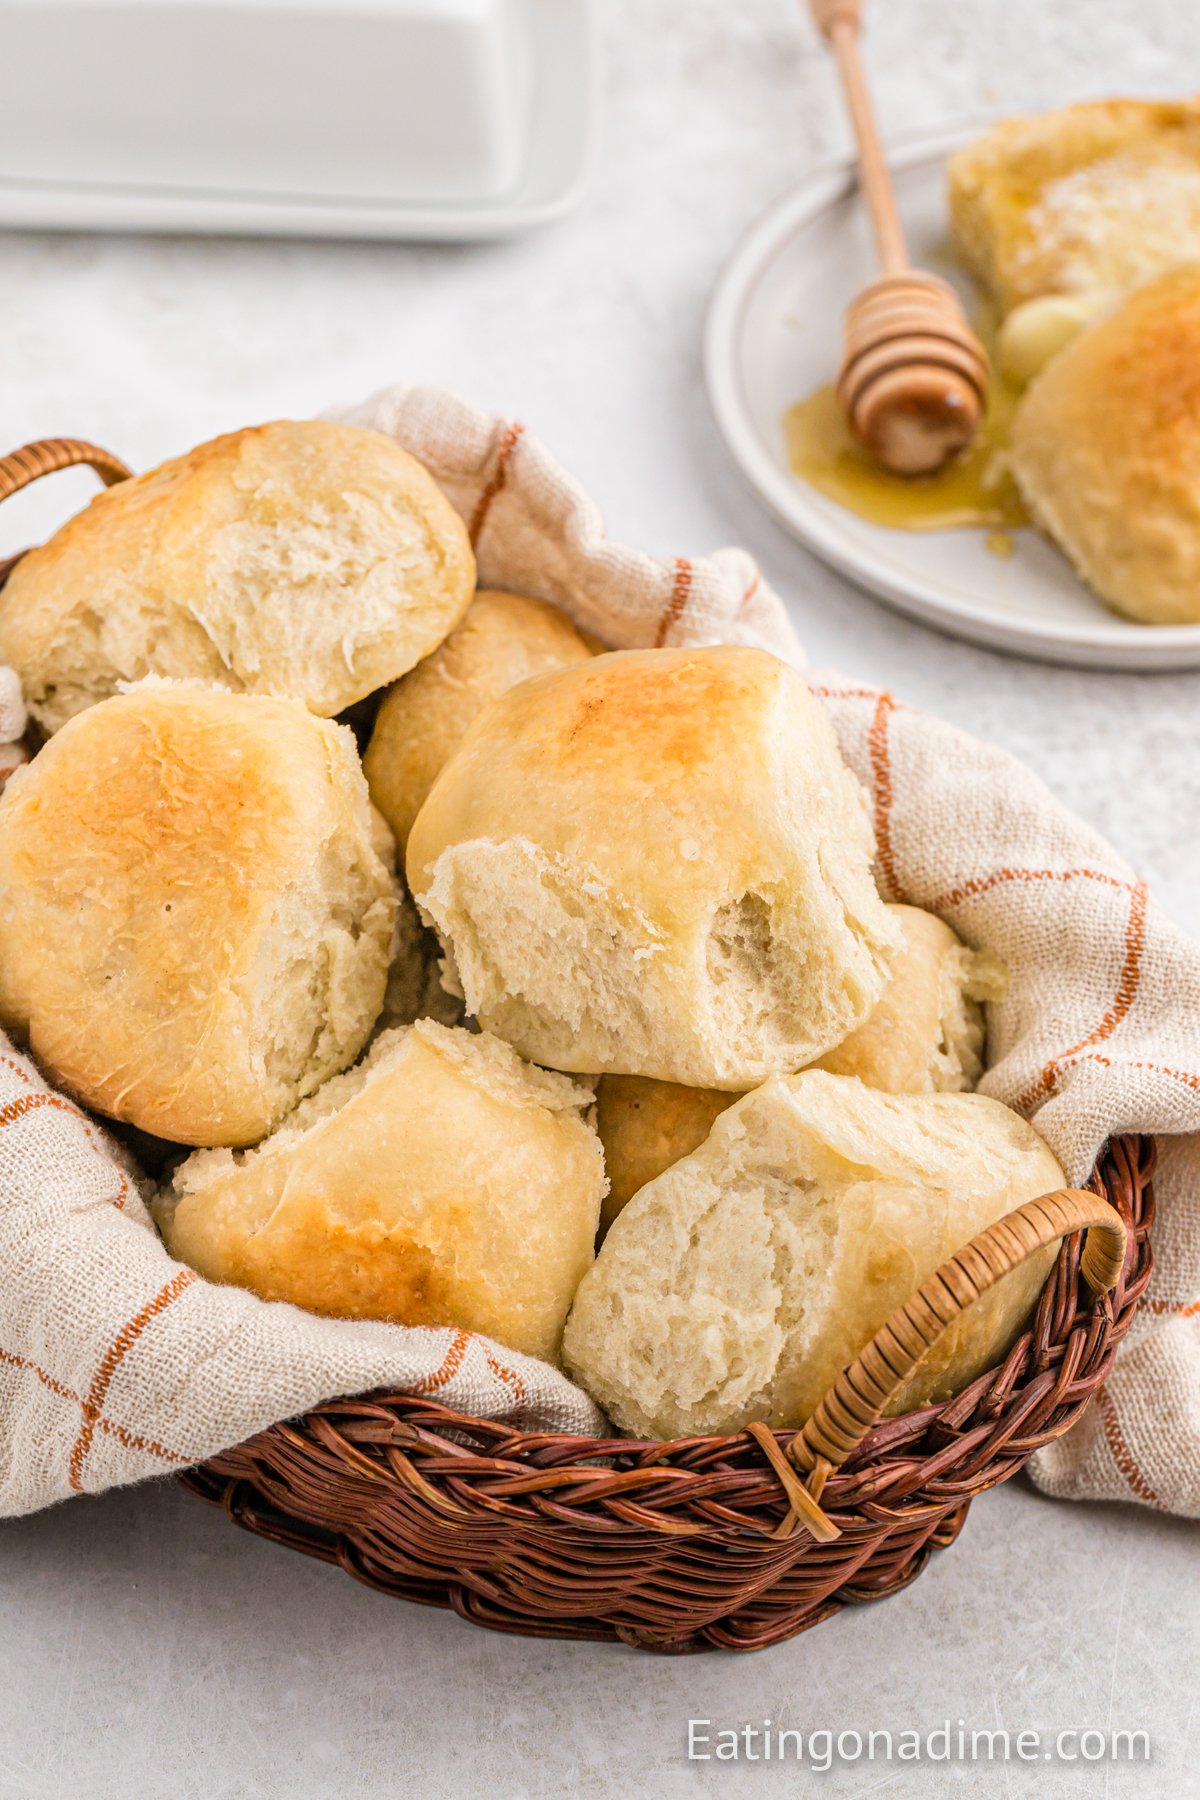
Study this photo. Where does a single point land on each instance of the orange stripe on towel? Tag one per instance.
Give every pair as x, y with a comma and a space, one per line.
131, 1439
681, 589
880, 749
1173, 1309
983, 884
28, 1103
846, 693
447, 1368
496, 483
507, 1375
1127, 987
1122, 1455
120, 1347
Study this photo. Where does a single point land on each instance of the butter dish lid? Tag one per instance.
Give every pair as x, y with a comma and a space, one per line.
382, 118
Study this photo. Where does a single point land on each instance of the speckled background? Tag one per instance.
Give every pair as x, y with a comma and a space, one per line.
145, 1647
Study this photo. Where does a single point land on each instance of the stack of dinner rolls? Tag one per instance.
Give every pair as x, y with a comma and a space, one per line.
584, 948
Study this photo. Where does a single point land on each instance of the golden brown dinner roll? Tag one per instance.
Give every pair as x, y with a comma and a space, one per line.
1090, 198
926, 1034
440, 1182
740, 1283
312, 560
645, 1126
504, 639
1106, 451
656, 863
194, 919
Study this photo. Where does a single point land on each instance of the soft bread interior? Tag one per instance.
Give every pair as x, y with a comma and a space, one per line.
621, 888
738, 1284
302, 558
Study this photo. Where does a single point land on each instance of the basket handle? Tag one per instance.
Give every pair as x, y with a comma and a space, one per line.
45, 457
863, 1391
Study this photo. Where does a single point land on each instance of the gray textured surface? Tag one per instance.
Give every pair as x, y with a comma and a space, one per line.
147, 1648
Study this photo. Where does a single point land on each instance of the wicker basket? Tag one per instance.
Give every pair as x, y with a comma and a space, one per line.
735, 1542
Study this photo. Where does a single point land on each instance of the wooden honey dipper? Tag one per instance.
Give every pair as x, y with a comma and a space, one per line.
913, 379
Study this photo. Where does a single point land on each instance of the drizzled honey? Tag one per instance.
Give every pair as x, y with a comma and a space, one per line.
976, 489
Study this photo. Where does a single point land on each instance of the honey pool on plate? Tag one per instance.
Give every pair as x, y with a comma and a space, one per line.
976, 489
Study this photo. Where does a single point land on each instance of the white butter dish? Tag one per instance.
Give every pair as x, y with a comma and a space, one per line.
422, 118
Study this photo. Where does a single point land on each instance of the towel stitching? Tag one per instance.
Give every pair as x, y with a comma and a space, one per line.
681, 589
124, 1341
496, 483
130, 1439
1127, 988
1122, 1455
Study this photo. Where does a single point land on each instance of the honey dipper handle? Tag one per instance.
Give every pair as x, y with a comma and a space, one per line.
828, 13
838, 21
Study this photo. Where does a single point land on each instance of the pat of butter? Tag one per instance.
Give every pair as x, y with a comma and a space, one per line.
1034, 333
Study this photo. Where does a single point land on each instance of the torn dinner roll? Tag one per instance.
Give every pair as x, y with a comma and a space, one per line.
440, 1182
302, 558
741, 1282
656, 863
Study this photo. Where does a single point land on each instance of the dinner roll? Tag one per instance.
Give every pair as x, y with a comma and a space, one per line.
741, 1282
645, 1126
656, 863
194, 918
1089, 198
504, 639
926, 1034
1106, 452
312, 560
440, 1182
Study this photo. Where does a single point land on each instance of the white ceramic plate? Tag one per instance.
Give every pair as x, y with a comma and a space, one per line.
773, 335
559, 143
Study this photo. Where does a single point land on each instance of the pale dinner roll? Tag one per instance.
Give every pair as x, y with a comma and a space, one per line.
925, 1035
504, 639
1106, 451
312, 560
194, 917
440, 1182
741, 1282
656, 863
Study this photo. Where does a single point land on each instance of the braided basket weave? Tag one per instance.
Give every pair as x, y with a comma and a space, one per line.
736, 1542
